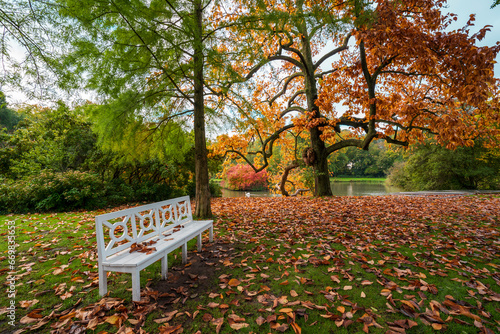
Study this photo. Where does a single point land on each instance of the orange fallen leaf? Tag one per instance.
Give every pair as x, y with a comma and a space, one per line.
114, 320
296, 328
169, 329
437, 327
286, 310
207, 317
233, 282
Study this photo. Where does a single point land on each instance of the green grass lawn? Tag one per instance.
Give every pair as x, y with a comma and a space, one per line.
389, 264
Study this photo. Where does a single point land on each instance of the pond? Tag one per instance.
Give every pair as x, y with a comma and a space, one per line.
358, 188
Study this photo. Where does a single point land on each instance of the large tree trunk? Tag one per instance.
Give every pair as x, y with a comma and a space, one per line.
321, 176
203, 209
320, 165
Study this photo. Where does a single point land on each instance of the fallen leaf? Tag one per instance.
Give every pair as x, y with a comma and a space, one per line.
239, 325
28, 303
207, 317
218, 323
233, 282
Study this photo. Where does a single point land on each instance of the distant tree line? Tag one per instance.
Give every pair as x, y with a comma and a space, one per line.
432, 167
354, 162
427, 166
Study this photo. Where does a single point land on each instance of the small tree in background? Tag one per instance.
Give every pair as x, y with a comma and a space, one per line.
243, 177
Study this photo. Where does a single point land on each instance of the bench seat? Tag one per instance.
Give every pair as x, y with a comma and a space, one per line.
174, 241
169, 223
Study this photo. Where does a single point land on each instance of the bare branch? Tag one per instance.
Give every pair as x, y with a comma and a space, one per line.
288, 110
288, 59
334, 51
285, 86
344, 143
322, 74
300, 92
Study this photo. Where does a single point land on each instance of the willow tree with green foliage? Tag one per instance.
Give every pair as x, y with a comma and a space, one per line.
28, 53
148, 61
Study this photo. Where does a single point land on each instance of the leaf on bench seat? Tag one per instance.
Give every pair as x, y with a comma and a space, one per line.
143, 248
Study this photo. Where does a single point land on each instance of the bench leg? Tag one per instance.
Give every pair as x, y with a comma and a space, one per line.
103, 281
184, 253
136, 286
164, 267
199, 242
211, 236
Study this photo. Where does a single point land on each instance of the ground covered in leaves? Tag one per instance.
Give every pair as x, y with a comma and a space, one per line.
389, 264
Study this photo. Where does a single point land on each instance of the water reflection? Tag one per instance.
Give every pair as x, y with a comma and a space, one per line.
361, 189
338, 189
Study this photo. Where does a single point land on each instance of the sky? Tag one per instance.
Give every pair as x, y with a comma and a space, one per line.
485, 15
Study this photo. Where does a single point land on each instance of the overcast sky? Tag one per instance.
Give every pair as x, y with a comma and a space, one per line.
485, 15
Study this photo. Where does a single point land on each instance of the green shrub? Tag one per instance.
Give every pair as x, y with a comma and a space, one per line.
50, 191
432, 167
215, 189
399, 177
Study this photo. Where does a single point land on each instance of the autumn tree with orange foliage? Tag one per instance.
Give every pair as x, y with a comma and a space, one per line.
406, 78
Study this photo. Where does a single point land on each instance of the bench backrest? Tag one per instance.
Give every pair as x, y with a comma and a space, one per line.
118, 230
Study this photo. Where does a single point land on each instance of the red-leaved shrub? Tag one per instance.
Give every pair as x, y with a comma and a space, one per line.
243, 177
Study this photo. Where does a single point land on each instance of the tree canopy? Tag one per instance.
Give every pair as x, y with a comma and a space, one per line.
386, 86
149, 60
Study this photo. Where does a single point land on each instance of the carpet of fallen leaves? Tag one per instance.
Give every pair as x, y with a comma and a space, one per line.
385, 265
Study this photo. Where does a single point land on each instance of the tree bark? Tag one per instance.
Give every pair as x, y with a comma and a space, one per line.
321, 176
284, 177
203, 209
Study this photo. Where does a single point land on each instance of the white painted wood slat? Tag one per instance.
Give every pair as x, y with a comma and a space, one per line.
169, 222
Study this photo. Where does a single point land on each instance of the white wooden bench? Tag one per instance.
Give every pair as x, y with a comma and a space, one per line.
163, 226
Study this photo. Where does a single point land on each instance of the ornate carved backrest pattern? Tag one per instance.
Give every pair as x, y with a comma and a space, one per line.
117, 231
